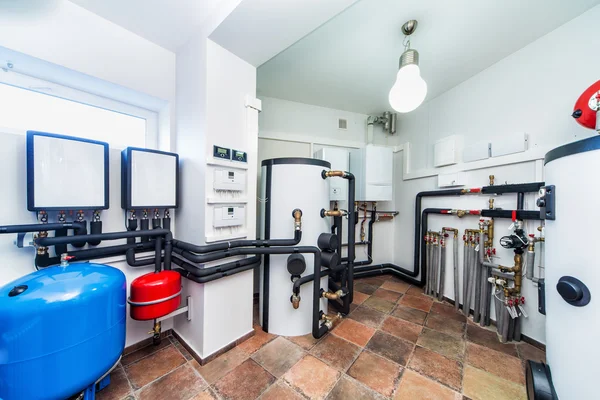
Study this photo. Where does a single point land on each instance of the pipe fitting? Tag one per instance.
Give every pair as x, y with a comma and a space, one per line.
297, 214
332, 295
295, 299
328, 321
330, 174
333, 213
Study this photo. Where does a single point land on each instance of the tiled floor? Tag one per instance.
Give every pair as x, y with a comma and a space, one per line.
397, 343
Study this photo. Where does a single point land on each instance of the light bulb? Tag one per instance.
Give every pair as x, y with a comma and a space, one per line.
409, 91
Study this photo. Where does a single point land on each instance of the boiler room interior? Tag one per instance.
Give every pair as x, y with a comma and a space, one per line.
299, 199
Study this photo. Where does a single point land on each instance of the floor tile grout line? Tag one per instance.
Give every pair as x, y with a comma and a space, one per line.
160, 377
151, 354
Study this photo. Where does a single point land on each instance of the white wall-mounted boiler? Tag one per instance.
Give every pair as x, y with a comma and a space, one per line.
373, 167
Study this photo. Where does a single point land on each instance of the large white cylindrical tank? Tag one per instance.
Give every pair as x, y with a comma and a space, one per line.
572, 329
288, 184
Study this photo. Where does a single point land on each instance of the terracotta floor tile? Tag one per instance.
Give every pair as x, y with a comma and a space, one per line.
354, 332
419, 302
387, 295
390, 347
364, 288
489, 339
144, 352
280, 391
278, 356
180, 384
376, 372
446, 325
529, 352
437, 367
312, 377
400, 287
220, 366
480, 385
379, 304
181, 349
402, 329
259, 339
206, 394
373, 280
416, 291
349, 389
359, 297
416, 387
307, 342
118, 388
410, 314
336, 352
245, 382
495, 362
448, 311
156, 365
367, 316
446, 345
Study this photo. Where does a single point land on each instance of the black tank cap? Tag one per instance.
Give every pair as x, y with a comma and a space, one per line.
17, 290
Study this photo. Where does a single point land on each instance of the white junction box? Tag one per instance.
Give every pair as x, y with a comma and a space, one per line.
444, 152
229, 215
229, 179
451, 180
509, 144
373, 167
339, 160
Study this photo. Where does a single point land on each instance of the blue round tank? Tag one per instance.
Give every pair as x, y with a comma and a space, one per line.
61, 329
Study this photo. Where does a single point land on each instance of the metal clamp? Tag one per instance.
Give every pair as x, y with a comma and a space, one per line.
149, 303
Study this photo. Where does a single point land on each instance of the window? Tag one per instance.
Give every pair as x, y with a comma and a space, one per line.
28, 103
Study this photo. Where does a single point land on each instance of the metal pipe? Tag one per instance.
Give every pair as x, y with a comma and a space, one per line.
465, 271
455, 260
428, 262
477, 280
442, 267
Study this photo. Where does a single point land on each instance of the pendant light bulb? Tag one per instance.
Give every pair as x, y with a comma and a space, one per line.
410, 89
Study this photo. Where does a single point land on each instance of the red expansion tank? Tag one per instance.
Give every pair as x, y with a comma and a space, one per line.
154, 295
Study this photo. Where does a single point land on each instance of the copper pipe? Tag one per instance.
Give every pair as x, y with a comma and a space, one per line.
491, 204
517, 269
333, 213
297, 219
330, 174
329, 321
492, 178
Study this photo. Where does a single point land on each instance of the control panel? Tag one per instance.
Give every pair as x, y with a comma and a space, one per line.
239, 156
229, 215
221, 153
234, 180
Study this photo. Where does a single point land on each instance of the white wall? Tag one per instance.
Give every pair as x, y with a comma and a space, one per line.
212, 86
79, 49
531, 91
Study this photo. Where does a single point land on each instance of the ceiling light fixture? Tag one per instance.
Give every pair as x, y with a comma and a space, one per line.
410, 89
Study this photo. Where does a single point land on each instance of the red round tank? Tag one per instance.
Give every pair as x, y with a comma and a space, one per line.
154, 295
587, 106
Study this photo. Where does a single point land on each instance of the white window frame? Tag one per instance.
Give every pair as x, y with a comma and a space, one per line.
64, 92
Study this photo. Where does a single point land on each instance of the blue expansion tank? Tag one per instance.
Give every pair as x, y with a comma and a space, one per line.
61, 329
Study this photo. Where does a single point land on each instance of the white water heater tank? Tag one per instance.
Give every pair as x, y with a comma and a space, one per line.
572, 281
289, 184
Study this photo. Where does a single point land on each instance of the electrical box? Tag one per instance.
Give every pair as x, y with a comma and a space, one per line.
476, 151
149, 179
444, 152
509, 144
373, 167
229, 215
451, 180
339, 159
66, 173
229, 179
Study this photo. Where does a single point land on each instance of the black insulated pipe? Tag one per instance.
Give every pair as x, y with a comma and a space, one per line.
203, 272
78, 227
513, 188
144, 226
253, 263
80, 244
63, 248
209, 248
95, 228
89, 254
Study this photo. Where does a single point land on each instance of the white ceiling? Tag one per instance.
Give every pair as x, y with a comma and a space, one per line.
168, 23
350, 63
258, 30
